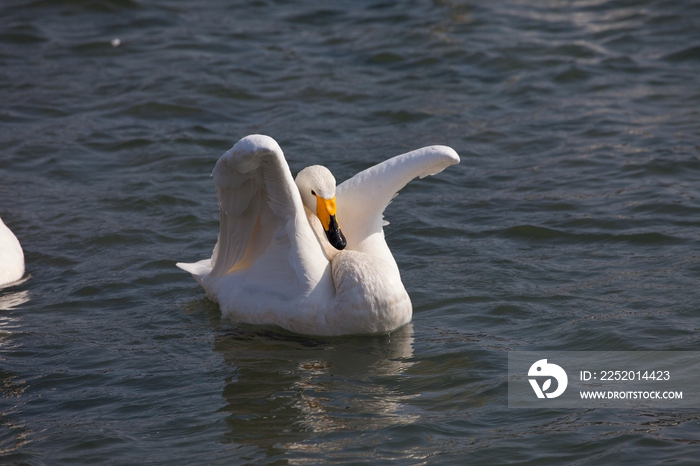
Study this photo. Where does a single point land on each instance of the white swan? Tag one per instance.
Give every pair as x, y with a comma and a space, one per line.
11, 256
281, 258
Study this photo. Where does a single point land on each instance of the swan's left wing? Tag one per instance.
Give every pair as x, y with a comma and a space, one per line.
362, 199
263, 224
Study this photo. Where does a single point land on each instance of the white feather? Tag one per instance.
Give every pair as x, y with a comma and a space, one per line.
11, 256
273, 265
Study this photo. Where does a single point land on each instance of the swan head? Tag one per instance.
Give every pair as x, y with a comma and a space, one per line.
317, 188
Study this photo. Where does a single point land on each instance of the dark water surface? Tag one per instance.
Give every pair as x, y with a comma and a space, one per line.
572, 223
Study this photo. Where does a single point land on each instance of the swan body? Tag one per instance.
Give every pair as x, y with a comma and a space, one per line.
11, 256
304, 254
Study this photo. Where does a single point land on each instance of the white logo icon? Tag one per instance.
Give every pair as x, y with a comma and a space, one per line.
542, 369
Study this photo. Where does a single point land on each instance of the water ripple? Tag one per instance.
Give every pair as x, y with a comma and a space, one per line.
571, 223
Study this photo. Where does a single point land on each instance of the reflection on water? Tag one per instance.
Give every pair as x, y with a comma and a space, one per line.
11, 300
290, 388
13, 432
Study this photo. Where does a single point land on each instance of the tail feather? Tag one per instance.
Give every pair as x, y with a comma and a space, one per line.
198, 269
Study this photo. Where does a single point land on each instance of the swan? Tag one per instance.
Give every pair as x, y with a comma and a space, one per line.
303, 254
11, 256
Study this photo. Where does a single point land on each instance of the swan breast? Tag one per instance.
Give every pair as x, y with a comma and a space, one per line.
370, 297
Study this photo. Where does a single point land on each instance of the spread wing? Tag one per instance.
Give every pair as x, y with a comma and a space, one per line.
263, 226
362, 199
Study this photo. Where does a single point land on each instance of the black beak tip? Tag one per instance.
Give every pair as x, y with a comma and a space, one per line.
335, 236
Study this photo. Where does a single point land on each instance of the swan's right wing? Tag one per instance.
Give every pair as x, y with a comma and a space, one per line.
362, 199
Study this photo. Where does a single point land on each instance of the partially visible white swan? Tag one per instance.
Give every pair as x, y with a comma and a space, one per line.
11, 256
281, 258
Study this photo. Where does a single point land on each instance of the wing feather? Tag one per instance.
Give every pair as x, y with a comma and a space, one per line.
257, 197
362, 199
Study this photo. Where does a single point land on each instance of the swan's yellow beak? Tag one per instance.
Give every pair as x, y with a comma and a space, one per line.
325, 210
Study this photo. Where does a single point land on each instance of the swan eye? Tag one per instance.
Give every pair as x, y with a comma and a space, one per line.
313, 192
